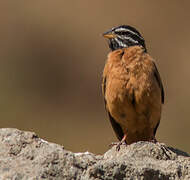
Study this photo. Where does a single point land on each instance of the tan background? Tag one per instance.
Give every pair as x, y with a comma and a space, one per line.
52, 56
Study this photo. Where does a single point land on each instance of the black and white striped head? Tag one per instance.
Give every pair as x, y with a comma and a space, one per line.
124, 36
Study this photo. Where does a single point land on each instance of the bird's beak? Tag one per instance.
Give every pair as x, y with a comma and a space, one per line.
109, 35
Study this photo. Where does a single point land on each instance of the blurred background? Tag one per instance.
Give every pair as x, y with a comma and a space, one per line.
52, 56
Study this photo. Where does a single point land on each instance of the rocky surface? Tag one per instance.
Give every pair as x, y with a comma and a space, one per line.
25, 156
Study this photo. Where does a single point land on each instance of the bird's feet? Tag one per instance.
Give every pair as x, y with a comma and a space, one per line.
117, 144
153, 140
164, 149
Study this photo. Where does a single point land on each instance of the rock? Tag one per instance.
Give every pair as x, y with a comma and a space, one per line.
25, 156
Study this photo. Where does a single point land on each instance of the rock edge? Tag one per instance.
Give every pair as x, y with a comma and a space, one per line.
23, 155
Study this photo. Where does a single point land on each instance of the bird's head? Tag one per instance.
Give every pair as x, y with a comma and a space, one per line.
124, 36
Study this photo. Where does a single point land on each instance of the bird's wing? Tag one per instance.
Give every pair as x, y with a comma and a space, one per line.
116, 127
158, 78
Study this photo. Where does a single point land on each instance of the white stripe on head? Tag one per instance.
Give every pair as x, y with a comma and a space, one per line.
121, 44
130, 39
127, 30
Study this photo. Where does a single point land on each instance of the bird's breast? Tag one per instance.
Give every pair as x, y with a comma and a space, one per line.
132, 93
124, 82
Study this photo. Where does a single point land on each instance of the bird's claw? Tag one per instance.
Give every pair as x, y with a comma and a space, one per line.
117, 144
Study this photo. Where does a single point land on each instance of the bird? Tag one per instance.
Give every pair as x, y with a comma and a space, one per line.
132, 87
